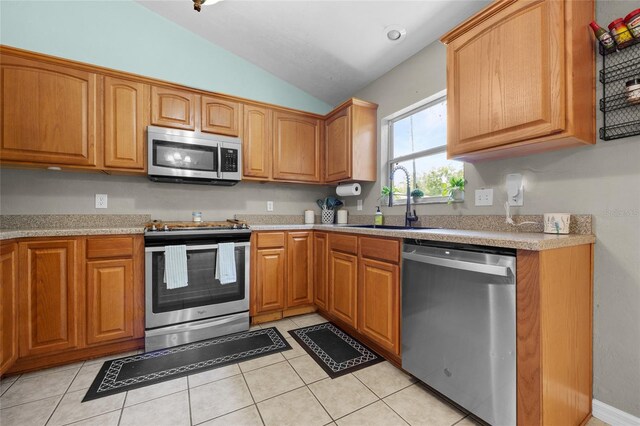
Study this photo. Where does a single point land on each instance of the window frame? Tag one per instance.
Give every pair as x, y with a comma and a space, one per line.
429, 102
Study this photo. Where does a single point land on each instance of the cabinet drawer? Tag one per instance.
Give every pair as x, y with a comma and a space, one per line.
99, 248
270, 239
379, 248
344, 243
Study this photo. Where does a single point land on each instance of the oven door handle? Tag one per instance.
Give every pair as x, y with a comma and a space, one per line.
193, 248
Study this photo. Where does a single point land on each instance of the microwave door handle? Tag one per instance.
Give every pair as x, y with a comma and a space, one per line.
219, 161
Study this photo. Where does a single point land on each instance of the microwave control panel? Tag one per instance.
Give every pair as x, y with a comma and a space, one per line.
229, 160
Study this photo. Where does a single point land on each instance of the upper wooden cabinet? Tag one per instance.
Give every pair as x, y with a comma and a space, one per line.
51, 309
296, 147
513, 92
126, 116
8, 305
173, 108
256, 142
351, 141
49, 113
299, 268
221, 116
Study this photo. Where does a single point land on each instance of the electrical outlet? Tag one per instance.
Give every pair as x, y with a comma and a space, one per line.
359, 206
484, 197
101, 201
269, 206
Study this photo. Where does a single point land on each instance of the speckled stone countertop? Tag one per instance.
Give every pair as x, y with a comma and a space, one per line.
516, 240
33, 226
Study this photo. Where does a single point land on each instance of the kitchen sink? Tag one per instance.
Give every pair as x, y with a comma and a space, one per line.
390, 227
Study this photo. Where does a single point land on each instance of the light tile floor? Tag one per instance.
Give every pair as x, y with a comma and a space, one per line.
287, 388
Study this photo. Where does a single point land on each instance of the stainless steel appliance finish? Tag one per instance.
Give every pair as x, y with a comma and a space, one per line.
459, 325
181, 156
205, 308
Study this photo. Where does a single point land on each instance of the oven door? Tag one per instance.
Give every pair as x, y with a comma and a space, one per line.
204, 296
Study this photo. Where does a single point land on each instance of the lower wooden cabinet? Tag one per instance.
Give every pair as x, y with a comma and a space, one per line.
51, 304
110, 300
343, 286
299, 269
321, 269
8, 305
66, 299
379, 303
269, 281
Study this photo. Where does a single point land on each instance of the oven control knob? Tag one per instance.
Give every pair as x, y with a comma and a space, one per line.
235, 226
166, 228
244, 226
153, 227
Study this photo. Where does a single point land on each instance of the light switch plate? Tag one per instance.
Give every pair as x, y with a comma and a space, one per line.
269, 206
484, 197
359, 205
101, 201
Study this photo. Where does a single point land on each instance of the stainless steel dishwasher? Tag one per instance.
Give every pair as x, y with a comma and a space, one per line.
459, 324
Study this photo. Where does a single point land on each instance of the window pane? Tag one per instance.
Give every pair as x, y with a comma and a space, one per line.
429, 173
425, 129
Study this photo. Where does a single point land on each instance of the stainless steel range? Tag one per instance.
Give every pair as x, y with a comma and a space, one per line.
203, 307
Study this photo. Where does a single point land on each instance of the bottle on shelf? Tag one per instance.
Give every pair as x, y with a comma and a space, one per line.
602, 35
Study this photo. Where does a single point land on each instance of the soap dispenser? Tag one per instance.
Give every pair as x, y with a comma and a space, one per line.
379, 218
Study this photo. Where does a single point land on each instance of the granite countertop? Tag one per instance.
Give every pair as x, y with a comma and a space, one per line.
9, 234
516, 240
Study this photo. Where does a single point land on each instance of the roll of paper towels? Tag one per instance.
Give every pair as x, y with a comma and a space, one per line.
348, 190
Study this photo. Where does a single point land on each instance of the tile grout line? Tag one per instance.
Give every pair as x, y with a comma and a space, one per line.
255, 404
382, 399
64, 394
10, 384
188, 401
309, 389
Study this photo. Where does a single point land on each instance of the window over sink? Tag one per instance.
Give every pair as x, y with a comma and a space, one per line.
418, 142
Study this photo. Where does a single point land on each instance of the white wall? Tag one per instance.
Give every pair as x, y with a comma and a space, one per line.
602, 180
49, 192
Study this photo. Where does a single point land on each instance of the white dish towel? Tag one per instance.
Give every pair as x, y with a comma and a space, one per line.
175, 267
226, 263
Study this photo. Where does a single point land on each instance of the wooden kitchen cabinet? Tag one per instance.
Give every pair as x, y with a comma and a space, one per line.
513, 92
321, 269
256, 142
299, 268
49, 113
126, 116
51, 308
8, 305
220, 116
296, 147
173, 108
343, 283
379, 303
351, 142
115, 295
268, 272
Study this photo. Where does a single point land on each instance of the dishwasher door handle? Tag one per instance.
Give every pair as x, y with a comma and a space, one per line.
502, 271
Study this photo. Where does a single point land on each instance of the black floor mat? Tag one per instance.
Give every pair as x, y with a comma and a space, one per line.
136, 371
334, 350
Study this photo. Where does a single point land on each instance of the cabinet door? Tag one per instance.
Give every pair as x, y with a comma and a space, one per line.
296, 150
221, 116
110, 300
256, 142
343, 276
173, 108
50, 308
339, 146
126, 112
8, 306
321, 269
505, 84
49, 113
270, 280
379, 303
299, 269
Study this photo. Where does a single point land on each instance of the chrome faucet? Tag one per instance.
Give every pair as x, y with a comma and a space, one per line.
408, 217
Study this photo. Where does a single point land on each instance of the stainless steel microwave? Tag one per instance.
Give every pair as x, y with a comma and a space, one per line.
181, 156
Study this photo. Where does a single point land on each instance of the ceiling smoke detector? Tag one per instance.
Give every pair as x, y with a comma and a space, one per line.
395, 33
197, 4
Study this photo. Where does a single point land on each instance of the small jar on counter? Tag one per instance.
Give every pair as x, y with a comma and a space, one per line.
633, 91
196, 216
620, 32
633, 23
